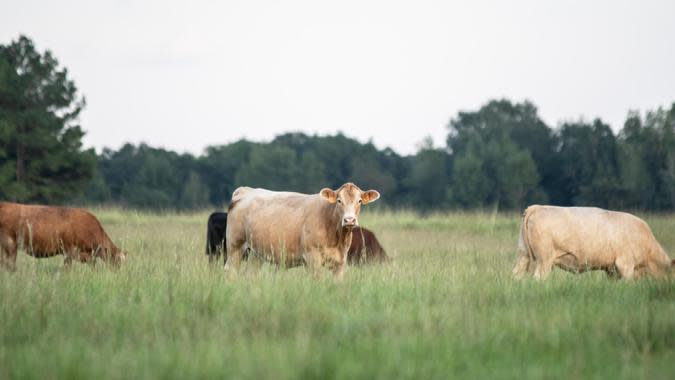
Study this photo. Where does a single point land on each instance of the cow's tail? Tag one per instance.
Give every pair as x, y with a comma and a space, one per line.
526, 255
526, 229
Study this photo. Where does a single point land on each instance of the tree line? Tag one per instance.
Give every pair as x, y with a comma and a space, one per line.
501, 155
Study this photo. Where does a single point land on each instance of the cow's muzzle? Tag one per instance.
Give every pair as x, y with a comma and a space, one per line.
349, 221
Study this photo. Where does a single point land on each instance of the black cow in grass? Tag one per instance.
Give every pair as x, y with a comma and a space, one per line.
215, 236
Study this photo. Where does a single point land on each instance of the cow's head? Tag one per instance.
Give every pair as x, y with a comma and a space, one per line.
122, 257
348, 200
118, 257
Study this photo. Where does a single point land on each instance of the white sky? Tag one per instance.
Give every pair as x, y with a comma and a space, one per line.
187, 74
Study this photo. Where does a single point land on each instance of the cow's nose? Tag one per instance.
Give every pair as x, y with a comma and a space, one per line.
349, 221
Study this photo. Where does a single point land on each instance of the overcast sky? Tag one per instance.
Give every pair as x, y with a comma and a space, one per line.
187, 74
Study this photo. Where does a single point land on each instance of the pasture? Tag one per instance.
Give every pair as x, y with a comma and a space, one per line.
446, 307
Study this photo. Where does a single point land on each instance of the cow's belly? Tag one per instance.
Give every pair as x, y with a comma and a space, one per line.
39, 243
581, 263
580, 253
42, 254
276, 248
42, 249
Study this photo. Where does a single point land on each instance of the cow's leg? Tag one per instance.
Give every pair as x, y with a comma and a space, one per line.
626, 267
522, 266
313, 262
214, 254
68, 256
335, 260
612, 273
67, 261
255, 259
87, 257
235, 252
103, 253
7, 253
544, 254
340, 265
339, 270
543, 269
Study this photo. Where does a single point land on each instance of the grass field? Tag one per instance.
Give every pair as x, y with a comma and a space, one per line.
446, 307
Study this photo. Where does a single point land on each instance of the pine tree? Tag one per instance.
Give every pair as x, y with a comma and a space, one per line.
42, 159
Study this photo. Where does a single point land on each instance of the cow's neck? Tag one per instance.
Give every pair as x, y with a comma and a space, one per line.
343, 235
344, 238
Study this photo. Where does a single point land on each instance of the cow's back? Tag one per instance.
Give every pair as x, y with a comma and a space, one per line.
274, 223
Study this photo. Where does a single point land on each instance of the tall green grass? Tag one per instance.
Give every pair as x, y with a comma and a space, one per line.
445, 307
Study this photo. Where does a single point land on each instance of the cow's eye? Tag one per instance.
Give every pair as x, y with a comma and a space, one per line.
339, 201
360, 201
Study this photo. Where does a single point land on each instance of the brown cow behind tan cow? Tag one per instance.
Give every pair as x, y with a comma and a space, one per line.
365, 248
578, 239
294, 229
45, 231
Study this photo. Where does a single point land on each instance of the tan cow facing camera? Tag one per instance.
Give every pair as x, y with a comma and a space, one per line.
295, 229
579, 239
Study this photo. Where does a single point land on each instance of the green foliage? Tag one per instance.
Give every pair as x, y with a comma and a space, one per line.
497, 119
501, 153
493, 172
279, 167
648, 159
500, 156
428, 182
588, 164
219, 166
41, 155
145, 177
194, 194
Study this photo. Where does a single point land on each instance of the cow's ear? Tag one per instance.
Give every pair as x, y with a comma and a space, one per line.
329, 195
370, 196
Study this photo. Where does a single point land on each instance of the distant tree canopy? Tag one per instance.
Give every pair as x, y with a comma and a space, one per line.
145, 177
41, 155
502, 155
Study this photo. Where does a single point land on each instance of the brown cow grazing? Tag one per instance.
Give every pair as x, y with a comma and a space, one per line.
578, 239
45, 231
365, 248
295, 229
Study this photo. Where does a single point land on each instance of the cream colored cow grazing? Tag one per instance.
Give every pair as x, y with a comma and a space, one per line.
578, 239
295, 229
